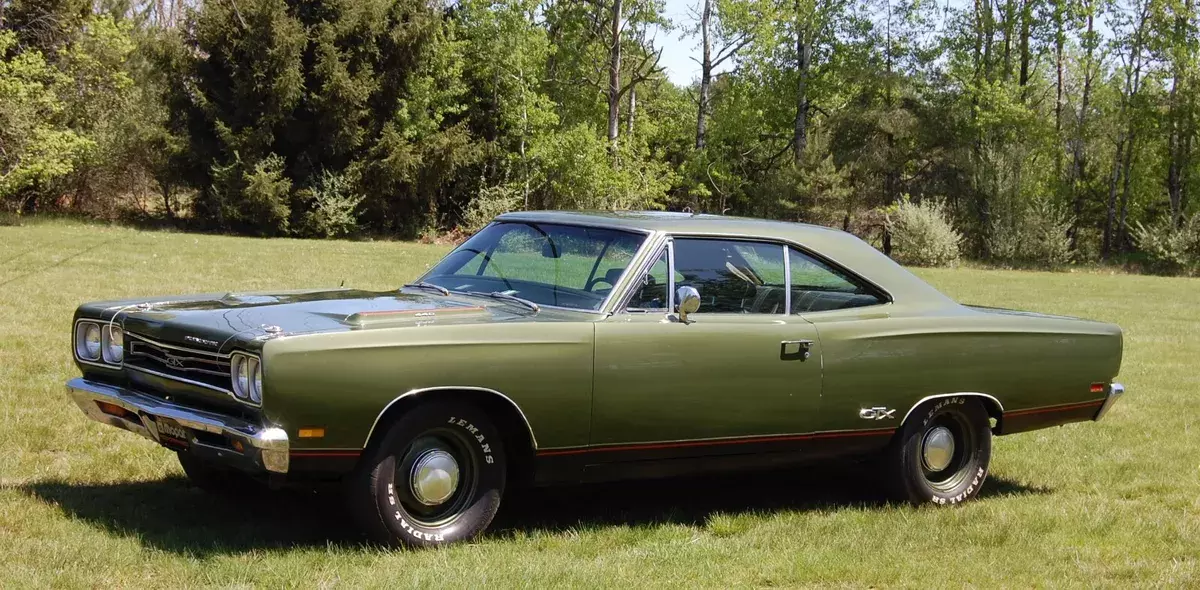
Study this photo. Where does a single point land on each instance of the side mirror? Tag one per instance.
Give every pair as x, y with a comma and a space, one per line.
687, 301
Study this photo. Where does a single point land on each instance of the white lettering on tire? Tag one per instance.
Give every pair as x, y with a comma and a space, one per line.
487, 449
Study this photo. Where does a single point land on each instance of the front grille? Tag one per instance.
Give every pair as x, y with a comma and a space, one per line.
199, 367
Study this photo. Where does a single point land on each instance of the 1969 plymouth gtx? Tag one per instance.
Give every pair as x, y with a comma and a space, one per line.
557, 347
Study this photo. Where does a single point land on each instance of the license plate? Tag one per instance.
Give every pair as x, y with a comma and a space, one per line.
171, 433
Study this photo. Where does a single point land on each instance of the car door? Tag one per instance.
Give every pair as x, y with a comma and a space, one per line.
741, 368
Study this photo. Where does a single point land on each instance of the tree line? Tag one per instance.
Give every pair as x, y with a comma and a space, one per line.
1040, 131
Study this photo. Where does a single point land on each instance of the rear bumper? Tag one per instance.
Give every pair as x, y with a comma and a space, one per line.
1115, 391
224, 439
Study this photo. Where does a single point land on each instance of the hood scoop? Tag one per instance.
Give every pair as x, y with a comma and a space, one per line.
396, 317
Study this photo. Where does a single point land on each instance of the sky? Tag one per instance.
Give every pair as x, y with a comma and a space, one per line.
677, 53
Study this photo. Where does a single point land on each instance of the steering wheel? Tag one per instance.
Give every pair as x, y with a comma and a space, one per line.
611, 276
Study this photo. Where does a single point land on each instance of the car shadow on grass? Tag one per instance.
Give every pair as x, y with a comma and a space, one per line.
693, 501
171, 515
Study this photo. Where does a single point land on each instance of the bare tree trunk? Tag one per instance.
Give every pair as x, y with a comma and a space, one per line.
524, 133
1026, 22
1111, 207
1059, 41
989, 38
1078, 161
804, 58
1010, 10
705, 76
614, 76
632, 110
1126, 189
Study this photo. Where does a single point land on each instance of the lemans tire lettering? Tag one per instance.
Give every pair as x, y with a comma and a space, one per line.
941, 404
483, 445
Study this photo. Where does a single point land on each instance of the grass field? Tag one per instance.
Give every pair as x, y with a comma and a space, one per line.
1115, 503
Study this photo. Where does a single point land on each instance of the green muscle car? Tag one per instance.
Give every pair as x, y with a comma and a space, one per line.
556, 347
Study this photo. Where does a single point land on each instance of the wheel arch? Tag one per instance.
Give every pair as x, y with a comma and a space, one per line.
520, 443
994, 408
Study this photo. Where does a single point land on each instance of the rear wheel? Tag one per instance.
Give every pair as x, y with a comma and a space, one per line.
436, 478
942, 452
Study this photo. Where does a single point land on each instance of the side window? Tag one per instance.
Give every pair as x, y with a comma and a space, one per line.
733, 276
816, 286
652, 292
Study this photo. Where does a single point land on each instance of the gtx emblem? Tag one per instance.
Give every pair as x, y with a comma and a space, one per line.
877, 413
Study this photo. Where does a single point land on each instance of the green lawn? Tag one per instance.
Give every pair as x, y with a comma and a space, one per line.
1110, 504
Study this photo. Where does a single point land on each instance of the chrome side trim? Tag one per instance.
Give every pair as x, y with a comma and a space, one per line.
958, 394
266, 445
412, 392
1115, 391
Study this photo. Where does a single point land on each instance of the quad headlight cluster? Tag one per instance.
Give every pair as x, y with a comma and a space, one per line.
96, 341
246, 373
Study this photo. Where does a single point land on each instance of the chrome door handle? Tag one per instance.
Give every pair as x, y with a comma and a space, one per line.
795, 350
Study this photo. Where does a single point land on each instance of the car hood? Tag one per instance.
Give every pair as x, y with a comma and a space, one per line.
211, 321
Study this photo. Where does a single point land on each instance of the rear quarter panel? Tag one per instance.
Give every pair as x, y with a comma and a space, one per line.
343, 381
897, 358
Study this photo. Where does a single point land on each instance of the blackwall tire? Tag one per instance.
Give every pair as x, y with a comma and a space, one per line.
436, 478
924, 468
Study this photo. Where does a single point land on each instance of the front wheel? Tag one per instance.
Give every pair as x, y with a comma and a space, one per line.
436, 478
942, 452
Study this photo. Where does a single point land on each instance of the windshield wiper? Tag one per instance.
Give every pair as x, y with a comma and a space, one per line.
428, 285
507, 297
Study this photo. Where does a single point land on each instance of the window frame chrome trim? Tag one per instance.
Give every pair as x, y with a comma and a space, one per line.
605, 305
656, 246
886, 295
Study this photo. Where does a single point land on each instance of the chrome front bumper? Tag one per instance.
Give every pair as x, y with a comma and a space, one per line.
1115, 391
261, 448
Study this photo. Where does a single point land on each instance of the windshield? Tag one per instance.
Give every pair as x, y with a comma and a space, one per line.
548, 264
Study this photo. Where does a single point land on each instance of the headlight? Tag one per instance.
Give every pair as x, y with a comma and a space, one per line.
255, 381
114, 344
87, 341
241, 376
246, 374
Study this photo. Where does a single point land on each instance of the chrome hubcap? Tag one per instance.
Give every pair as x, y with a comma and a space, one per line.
937, 450
434, 477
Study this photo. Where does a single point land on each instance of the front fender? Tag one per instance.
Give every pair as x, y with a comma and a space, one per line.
342, 382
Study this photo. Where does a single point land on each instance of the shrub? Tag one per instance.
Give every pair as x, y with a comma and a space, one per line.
922, 234
574, 170
490, 202
334, 208
1033, 234
1169, 247
255, 201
